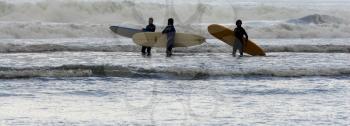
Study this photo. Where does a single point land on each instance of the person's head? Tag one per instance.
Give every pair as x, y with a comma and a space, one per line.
239, 23
170, 21
150, 20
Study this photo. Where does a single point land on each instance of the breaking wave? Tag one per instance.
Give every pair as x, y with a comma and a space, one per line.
319, 19
74, 19
165, 72
39, 30
287, 30
19, 30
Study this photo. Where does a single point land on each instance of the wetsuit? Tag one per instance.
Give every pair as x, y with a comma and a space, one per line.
239, 32
149, 28
170, 31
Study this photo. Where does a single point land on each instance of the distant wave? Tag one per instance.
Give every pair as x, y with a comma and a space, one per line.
166, 72
75, 19
318, 19
291, 30
40, 30
19, 30
12, 48
205, 48
109, 11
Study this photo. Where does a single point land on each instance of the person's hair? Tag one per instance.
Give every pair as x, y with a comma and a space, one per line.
238, 22
170, 21
150, 18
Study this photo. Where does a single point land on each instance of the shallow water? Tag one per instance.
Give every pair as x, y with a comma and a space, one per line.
95, 81
139, 101
120, 44
188, 65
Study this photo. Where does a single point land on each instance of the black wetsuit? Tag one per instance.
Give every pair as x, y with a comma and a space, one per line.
149, 28
239, 32
170, 31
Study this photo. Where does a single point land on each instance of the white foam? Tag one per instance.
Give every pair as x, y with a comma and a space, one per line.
117, 11
319, 19
52, 30
120, 44
74, 19
122, 64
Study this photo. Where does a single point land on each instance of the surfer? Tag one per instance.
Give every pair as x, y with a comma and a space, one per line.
149, 28
239, 43
170, 31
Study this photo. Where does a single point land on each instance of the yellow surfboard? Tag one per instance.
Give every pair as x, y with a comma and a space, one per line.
227, 35
157, 39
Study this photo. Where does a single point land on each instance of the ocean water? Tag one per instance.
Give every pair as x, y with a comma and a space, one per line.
139, 101
90, 81
61, 65
262, 19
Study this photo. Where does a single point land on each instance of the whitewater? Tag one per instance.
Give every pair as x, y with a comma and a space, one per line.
61, 65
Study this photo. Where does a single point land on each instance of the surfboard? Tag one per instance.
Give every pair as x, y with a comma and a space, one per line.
157, 39
227, 35
123, 31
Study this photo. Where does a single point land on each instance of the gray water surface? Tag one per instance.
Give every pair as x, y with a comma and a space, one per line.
138, 101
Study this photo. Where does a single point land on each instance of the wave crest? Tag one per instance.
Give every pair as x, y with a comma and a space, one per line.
318, 19
126, 45
75, 19
170, 73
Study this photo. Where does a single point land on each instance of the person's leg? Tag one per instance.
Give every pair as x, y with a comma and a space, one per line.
171, 48
168, 49
240, 48
168, 52
235, 47
149, 50
234, 51
143, 50
170, 44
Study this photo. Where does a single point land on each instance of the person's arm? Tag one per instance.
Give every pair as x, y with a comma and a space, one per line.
246, 35
235, 32
154, 28
147, 29
172, 29
165, 30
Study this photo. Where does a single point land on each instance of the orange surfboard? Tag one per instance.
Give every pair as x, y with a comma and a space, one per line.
227, 35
